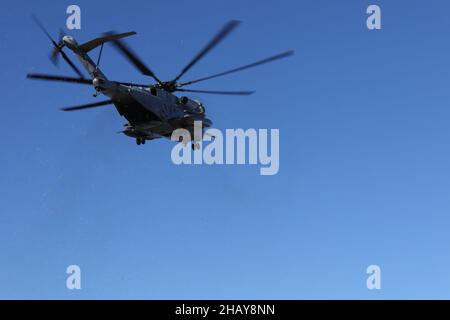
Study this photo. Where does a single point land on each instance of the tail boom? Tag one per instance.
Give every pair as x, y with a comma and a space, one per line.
81, 51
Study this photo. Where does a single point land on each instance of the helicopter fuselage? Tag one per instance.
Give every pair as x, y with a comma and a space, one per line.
151, 111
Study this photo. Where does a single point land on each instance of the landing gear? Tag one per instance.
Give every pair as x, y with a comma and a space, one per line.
196, 146
140, 141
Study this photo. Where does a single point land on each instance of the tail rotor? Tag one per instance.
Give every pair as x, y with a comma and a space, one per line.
57, 48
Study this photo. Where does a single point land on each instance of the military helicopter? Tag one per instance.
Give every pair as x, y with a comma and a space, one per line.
153, 110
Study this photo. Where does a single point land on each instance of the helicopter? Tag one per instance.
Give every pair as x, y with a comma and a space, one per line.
152, 110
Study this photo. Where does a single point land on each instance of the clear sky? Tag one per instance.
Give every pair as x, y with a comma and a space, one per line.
364, 156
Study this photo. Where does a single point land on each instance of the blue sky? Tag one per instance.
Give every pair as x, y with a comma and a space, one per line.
364, 157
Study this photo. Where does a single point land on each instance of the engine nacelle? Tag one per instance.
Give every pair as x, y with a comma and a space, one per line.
183, 100
191, 106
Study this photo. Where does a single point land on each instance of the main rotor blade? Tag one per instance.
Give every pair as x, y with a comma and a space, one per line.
133, 58
58, 78
248, 66
230, 26
40, 76
233, 93
87, 106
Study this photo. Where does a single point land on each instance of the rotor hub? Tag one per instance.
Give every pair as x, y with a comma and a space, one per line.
170, 86
69, 41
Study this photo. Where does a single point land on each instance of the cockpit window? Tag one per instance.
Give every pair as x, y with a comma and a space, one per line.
200, 109
154, 92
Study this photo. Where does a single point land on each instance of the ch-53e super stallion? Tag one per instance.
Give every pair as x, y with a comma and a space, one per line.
152, 110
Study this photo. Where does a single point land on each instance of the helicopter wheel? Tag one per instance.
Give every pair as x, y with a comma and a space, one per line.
195, 146
142, 140
138, 141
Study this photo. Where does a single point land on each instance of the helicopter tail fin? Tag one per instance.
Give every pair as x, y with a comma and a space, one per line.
82, 52
90, 45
